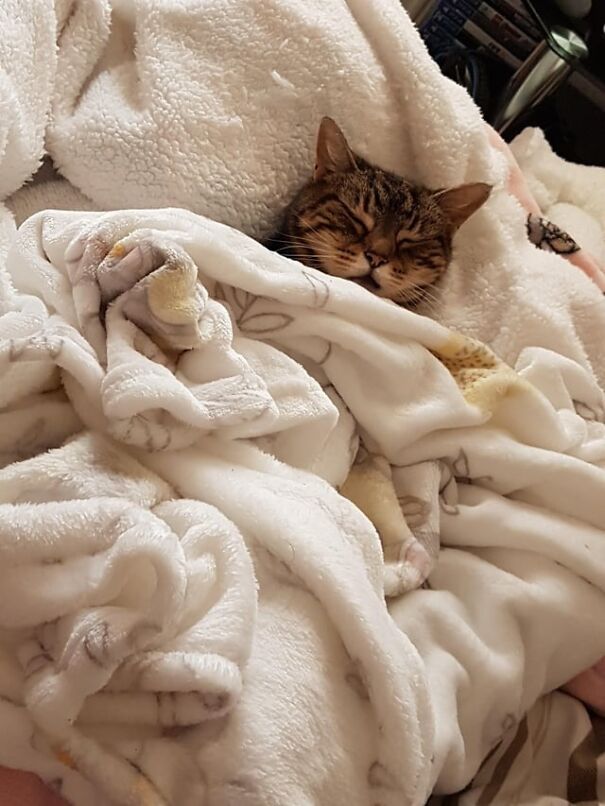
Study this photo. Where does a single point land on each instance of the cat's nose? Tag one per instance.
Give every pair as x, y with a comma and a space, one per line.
375, 260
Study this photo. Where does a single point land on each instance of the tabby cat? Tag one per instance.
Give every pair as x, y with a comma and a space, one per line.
358, 221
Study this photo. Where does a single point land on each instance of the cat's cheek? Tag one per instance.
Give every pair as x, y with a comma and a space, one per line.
357, 266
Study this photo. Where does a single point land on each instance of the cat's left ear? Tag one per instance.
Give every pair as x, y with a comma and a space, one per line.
460, 203
333, 152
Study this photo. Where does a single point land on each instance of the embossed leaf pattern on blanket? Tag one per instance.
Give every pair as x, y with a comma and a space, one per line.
323, 369
320, 287
245, 309
415, 510
456, 471
139, 303
594, 414
137, 649
423, 519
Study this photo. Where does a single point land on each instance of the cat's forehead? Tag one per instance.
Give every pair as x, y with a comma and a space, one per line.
385, 196
385, 191
379, 186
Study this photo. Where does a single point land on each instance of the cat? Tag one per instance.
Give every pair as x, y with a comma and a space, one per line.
356, 220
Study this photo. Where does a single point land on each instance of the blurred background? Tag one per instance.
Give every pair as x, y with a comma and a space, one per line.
526, 63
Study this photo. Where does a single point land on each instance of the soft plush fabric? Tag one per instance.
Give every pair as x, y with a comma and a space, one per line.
27, 74
488, 438
213, 106
590, 257
235, 387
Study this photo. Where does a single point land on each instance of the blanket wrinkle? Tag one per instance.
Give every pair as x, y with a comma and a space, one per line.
28, 61
188, 588
134, 608
468, 451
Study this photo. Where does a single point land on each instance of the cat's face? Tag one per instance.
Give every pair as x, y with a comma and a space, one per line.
354, 220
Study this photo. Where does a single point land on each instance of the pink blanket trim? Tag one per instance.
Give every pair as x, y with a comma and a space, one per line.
517, 186
588, 686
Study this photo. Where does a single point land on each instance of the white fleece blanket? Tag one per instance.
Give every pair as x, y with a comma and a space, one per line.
121, 608
507, 452
572, 196
227, 385
340, 702
213, 106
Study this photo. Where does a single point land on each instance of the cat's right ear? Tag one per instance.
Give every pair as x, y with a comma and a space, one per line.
333, 153
460, 203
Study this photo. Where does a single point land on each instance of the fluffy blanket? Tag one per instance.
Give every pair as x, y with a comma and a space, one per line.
192, 613
553, 756
179, 102
198, 360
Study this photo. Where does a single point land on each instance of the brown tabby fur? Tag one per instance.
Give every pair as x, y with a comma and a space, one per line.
357, 221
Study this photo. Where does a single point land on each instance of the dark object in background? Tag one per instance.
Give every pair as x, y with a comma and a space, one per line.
502, 28
596, 39
540, 76
526, 36
480, 73
482, 44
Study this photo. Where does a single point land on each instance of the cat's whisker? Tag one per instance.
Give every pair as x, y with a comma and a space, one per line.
430, 295
334, 257
301, 255
288, 235
317, 260
430, 304
418, 299
298, 239
291, 241
435, 294
417, 295
316, 232
311, 253
327, 251
356, 208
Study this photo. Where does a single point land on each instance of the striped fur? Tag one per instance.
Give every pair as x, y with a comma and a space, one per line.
357, 221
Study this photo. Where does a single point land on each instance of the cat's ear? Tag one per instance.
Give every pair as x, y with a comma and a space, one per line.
333, 153
460, 203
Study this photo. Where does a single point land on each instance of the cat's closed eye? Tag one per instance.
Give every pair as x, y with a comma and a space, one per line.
410, 243
351, 221
340, 216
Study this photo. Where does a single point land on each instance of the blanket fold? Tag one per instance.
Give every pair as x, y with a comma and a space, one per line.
467, 444
191, 611
133, 609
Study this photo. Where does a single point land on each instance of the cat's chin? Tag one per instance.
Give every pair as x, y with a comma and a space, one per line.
373, 287
368, 283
